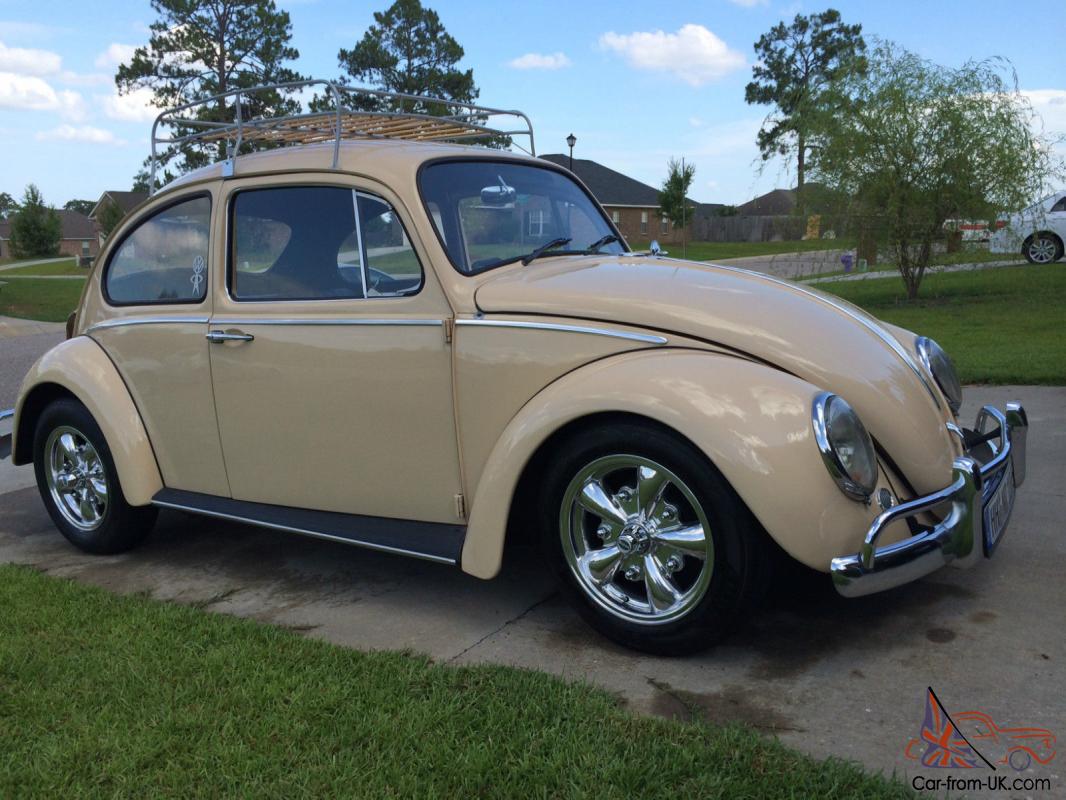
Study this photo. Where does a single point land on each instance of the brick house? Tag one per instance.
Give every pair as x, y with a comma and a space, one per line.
633, 206
126, 202
77, 235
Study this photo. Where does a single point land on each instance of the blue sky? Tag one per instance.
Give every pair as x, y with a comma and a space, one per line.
606, 71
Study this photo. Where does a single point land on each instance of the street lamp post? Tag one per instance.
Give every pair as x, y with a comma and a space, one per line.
571, 140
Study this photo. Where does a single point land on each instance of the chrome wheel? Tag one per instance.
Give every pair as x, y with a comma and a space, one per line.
77, 480
637, 539
1042, 250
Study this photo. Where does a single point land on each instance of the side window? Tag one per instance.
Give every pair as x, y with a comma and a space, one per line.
164, 259
318, 243
1059, 206
392, 268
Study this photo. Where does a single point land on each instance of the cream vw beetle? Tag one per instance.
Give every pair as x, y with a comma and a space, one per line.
421, 347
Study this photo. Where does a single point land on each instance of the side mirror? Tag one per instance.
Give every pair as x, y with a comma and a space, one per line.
654, 247
498, 196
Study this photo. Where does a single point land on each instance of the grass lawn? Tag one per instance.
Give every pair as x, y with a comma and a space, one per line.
1000, 325
47, 300
711, 251
104, 695
69, 267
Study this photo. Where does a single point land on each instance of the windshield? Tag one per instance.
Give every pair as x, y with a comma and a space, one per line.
488, 213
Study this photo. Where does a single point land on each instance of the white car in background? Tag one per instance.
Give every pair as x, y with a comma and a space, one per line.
1038, 232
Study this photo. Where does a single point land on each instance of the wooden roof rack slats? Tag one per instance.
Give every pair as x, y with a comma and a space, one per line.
347, 119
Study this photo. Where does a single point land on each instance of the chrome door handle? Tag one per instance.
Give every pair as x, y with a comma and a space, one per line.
216, 337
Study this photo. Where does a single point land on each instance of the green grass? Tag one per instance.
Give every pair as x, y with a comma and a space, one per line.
110, 696
42, 299
55, 268
1000, 325
712, 251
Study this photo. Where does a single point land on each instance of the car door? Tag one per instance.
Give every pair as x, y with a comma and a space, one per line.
149, 313
330, 361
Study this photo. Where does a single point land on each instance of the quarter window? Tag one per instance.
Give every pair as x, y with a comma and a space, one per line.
319, 243
1059, 206
164, 259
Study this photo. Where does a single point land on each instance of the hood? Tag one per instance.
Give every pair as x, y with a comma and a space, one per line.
817, 337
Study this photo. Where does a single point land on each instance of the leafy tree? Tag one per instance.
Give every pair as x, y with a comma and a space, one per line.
407, 50
8, 205
110, 216
925, 143
81, 206
795, 65
673, 198
200, 48
35, 229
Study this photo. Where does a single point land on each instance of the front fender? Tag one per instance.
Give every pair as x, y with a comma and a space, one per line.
752, 421
81, 367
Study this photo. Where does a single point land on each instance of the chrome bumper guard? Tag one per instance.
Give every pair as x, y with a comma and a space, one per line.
959, 537
5, 439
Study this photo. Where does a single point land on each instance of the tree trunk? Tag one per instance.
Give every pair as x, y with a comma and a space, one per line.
801, 169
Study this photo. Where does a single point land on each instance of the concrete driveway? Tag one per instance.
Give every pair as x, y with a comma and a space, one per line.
830, 676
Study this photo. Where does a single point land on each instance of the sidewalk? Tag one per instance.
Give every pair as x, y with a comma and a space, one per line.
894, 273
20, 264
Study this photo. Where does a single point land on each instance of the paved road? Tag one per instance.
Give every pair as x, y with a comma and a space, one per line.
830, 676
22, 342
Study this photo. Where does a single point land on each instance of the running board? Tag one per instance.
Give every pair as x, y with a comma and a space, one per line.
432, 541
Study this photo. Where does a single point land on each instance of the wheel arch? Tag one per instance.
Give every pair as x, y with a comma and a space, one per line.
79, 369
751, 421
1044, 232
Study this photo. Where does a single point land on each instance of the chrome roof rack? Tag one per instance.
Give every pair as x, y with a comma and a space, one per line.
347, 118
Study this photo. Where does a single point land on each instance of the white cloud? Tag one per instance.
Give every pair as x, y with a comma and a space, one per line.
135, 106
694, 54
540, 61
84, 78
30, 93
29, 62
114, 55
1050, 104
85, 134
695, 122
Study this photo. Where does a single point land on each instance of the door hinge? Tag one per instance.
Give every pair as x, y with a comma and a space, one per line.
449, 329
460, 506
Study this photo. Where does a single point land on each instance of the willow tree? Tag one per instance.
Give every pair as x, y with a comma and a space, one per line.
922, 144
201, 48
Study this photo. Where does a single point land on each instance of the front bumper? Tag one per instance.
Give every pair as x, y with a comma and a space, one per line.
959, 537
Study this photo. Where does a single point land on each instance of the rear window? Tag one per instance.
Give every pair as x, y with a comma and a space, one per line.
164, 259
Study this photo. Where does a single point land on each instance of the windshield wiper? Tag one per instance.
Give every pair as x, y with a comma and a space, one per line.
603, 241
543, 249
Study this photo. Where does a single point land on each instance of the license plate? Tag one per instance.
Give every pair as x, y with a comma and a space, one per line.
998, 506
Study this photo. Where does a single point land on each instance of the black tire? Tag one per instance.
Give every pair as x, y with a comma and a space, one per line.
1047, 240
742, 553
118, 526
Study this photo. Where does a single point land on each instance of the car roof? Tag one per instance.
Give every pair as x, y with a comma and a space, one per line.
379, 158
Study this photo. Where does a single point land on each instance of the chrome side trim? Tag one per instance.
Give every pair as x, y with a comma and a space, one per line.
384, 548
647, 338
6, 413
122, 322
436, 323
877, 330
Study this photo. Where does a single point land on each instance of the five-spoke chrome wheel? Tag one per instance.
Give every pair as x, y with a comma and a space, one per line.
637, 539
1042, 250
76, 478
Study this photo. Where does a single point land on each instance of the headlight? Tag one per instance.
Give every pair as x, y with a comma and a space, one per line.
846, 447
943, 371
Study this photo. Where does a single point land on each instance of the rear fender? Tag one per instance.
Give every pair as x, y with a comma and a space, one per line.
79, 367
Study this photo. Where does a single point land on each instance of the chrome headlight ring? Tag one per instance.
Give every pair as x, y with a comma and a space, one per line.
939, 365
846, 447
